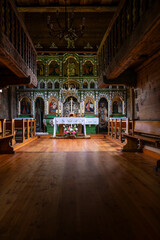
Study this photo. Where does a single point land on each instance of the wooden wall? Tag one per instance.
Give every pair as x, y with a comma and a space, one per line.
129, 115
147, 93
8, 103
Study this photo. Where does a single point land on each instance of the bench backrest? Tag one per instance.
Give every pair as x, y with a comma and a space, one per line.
10, 125
20, 123
3, 127
147, 127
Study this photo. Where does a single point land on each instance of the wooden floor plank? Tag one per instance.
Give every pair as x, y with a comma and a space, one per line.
78, 189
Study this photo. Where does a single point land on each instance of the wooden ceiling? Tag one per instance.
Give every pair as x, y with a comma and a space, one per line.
69, 2
98, 14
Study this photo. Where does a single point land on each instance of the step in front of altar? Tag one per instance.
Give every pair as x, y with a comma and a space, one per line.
71, 137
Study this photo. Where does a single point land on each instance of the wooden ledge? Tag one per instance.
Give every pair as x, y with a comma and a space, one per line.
78, 137
19, 145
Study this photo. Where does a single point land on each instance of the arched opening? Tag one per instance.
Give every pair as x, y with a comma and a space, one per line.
117, 105
53, 105
85, 85
92, 85
54, 69
71, 106
40, 68
103, 114
88, 68
49, 85
39, 114
71, 84
56, 85
71, 67
89, 105
42, 85
25, 106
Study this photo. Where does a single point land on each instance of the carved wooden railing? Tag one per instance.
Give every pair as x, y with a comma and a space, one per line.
16, 48
123, 24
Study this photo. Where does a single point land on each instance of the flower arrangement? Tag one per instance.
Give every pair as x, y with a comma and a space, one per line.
70, 131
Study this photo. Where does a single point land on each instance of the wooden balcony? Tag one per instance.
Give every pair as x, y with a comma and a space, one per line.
132, 38
17, 53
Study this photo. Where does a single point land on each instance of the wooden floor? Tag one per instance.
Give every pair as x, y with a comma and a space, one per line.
78, 190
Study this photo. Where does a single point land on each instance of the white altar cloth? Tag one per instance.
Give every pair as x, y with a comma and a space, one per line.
73, 120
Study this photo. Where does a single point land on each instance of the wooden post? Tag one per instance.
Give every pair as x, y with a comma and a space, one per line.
3, 127
0, 127
13, 131
120, 130
27, 128
31, 124
34, 127
112, 128
23, 130
109, 125
116, 122
132, 103
127, 126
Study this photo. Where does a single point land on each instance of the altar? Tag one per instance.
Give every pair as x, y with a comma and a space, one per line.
73, 121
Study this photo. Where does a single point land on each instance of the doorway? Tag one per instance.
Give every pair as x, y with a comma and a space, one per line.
39, 114
103, 114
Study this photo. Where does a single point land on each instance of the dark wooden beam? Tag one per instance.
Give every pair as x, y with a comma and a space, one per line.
69, 9
127, 78
14, 81
65, 50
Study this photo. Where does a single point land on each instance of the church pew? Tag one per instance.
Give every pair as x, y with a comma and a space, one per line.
5, 139
143, 132
2, 127
33, 127
21, 127
122, 126
111, 125
10, 128
25, 129
117, 127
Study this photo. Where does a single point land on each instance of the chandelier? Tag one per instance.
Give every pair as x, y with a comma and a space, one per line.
67, 31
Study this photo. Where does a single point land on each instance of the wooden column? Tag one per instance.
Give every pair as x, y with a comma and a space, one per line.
10, 100
132, 103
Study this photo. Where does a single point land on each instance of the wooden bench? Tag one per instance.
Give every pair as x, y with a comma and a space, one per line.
33, 128
25, 129
21, 128
5, 139
117, 127
143, 132
10, 128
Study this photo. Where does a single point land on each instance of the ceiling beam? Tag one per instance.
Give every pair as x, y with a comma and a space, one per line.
83, 9
12, 80
127, 78
66, 50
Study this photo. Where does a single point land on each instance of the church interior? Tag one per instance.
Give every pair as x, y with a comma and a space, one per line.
79, 119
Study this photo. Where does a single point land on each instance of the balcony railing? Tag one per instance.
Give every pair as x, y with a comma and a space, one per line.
16, 47
123, 24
